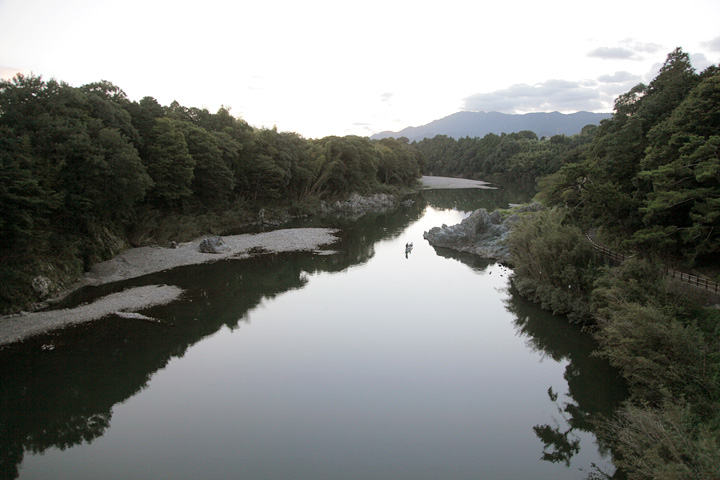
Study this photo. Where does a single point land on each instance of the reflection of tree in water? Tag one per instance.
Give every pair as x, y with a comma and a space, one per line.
62, 397
595, 390
558, 445
469, 200
478, 264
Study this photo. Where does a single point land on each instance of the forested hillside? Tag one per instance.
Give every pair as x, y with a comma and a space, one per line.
652, 175
478, 124
85, 171
516, 156
649, 184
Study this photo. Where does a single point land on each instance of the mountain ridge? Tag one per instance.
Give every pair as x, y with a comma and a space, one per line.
478, 124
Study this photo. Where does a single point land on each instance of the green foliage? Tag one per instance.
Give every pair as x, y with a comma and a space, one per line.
213, 180
169, 164
666, 348
400, 164
635, 281
517, 155
650, 178
660, 357
682, 165
652, 173
553, 264
663, 443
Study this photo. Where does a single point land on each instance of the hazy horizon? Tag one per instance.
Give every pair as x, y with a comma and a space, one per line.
322, 68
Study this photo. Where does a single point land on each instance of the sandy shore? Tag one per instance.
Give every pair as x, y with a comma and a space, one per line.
15, 328
447, 182
136, 262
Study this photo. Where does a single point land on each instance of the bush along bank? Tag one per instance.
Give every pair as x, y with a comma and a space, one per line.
664, 343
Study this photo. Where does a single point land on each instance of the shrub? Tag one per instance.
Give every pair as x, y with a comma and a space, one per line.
553, 263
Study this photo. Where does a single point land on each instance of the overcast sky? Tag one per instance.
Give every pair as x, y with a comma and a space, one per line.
337, 67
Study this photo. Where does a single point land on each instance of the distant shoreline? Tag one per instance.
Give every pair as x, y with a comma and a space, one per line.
136, 262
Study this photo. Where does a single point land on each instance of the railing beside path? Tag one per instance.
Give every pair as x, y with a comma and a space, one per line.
703, 283
692, 280
606, 251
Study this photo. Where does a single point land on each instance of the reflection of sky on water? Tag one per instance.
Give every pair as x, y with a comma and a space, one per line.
391, 368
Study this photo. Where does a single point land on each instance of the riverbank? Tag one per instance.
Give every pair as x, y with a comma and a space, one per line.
136, 262
140, 261
15, 328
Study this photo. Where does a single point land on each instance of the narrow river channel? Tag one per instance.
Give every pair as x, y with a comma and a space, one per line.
359, 363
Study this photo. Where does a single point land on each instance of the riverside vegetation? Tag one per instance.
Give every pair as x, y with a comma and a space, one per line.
85, 172
650, 182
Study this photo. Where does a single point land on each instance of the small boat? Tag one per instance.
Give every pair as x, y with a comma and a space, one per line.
408, 247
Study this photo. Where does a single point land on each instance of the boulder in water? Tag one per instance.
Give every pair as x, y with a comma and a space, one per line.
481, 233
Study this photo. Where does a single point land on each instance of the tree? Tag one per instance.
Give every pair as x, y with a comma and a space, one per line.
668, 89
169, 164
682, 165
212, 180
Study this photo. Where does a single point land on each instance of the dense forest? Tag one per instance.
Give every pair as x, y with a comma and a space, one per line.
518, 156
648, 184
85, 172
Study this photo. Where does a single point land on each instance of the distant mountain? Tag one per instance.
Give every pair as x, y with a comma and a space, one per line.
479, 124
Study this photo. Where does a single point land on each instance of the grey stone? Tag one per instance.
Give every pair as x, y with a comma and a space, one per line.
213, 245
482, 233
41, 285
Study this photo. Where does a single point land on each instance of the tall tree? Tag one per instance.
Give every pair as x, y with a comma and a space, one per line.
682, 164
169, 164
212, 180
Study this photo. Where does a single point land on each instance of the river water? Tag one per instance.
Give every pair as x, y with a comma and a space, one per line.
359, 363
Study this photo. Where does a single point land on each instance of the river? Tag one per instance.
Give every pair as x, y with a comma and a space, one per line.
360, 362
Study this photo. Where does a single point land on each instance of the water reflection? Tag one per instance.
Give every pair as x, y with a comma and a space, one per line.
65, 396
467, 199
595, 389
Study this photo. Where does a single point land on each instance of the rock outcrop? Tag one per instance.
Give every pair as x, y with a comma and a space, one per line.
481, 233
357, 205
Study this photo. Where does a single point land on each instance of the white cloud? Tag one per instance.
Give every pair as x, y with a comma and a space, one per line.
644, 47
551, 95
713, 45
699, 61
619, 77
613, 53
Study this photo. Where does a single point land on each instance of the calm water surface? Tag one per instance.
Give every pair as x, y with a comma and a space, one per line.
364, 363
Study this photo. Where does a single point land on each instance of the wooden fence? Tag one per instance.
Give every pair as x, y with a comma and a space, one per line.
619, 257
704, 283
692, 279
